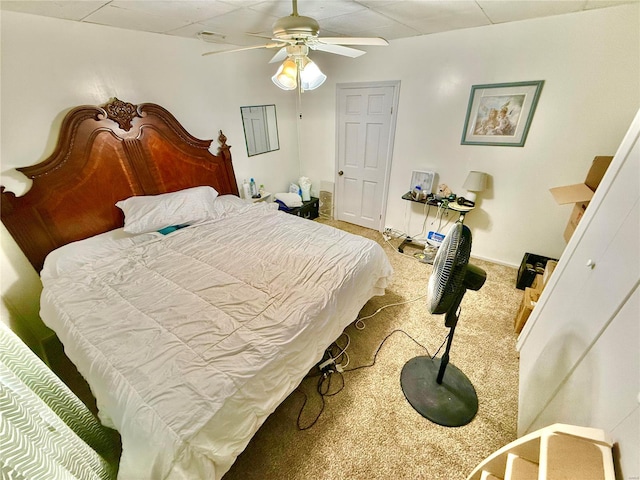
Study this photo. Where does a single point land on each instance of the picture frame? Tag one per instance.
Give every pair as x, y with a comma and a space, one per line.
500, 114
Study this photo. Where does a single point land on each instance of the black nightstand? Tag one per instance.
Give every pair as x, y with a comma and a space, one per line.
309, 209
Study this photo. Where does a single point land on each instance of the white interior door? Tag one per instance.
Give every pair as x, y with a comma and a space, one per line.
365, 132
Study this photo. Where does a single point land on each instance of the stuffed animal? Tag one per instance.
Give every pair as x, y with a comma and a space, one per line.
444, 191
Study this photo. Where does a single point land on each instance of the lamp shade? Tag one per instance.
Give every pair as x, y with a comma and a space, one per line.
475, 182
286, 77
311, 77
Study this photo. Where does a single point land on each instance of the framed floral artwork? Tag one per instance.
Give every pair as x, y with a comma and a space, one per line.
501, 113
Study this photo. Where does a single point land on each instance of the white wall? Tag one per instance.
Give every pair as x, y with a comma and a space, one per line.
50, 66
590, 63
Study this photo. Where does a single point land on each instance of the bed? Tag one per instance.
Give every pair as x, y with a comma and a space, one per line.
191, 337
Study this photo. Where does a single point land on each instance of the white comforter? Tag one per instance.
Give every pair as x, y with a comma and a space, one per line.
190, 341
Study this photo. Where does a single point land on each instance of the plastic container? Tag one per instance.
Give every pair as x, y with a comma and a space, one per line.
306, 192
253, 189
246, 190
305, 188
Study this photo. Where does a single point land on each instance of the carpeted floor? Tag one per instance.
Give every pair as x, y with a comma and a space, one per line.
368, 430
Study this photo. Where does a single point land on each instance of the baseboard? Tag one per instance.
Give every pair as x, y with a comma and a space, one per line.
496, 261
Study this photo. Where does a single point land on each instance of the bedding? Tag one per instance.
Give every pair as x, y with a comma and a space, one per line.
190, 340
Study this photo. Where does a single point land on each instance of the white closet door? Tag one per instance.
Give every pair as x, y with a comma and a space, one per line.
576, 320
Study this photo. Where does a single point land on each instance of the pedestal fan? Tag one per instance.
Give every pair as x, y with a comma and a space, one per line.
438, 390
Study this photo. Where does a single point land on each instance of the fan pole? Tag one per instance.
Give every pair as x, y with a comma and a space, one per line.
450, 320
444, 361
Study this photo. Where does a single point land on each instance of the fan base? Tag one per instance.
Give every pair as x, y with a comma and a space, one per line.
453, 403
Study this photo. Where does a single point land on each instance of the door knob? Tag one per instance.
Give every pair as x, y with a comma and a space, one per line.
340, 173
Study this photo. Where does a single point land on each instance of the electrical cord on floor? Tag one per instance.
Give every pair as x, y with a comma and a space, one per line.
325, 378
340, 359
395, 248
323, 387
375, 355
360, 325
334, 360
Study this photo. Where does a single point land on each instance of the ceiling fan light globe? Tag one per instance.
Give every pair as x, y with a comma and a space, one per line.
311, 77
286, 77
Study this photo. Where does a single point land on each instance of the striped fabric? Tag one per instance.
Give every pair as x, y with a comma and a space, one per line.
46, 432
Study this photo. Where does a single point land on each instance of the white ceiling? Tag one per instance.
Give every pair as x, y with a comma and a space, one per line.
231, 20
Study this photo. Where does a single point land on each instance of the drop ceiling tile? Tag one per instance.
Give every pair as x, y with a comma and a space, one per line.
445, 22
317, 9
240, 21
362, 20
273, 8
244, 3
389, 32
411, 10
500, 11
134, 20
185, 10
69, 9
606, 3
375, 4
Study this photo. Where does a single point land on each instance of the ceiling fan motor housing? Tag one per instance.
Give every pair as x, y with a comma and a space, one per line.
295, 27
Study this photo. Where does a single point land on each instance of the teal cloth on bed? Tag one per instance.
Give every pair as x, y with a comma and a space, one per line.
167, 230
172, 228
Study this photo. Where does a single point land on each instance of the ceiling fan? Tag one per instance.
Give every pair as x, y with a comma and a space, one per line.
295, 34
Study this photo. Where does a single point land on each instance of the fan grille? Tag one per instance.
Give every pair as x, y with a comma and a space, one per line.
449, 269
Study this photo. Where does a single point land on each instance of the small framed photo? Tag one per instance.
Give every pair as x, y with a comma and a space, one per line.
501, 113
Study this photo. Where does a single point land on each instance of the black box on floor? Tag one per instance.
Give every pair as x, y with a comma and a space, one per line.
530, 266
309, 209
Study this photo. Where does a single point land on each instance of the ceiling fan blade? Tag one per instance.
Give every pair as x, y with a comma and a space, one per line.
279, 56
268, 45
353, 41
337, 49
259, 35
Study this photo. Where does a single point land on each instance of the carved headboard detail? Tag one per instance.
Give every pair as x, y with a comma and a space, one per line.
103, 155
121, 112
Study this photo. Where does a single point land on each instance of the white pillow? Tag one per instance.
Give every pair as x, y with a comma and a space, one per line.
153, 212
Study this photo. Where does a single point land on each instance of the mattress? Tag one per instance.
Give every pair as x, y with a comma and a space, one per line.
190, 340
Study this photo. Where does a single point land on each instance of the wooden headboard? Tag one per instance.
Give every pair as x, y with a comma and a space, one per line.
103, 155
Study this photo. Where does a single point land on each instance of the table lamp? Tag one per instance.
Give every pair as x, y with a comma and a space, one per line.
475, 182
